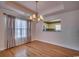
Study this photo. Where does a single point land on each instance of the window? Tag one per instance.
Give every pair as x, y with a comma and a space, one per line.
20, 28
53, 25
58, 27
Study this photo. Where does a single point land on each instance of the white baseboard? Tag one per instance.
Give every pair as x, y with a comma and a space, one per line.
1, 49
59, 45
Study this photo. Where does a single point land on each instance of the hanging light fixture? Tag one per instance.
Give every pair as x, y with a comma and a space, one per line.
36, 16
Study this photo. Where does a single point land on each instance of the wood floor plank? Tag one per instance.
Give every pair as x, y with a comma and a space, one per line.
39, 49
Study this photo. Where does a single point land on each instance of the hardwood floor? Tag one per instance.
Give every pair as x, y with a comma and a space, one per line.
38, 49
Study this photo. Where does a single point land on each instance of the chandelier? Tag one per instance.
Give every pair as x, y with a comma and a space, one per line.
36, 16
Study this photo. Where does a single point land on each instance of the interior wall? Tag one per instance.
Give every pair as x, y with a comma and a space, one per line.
33, 30
2, 31
69, 35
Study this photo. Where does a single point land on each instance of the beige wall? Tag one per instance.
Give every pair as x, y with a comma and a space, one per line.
69, 35
2, 31
33, 30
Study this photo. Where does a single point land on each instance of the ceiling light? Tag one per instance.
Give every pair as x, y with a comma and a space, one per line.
36, 16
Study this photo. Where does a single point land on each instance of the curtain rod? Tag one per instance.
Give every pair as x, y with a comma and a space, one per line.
8, 14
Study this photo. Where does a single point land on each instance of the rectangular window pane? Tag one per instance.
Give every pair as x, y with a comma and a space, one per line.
17, 23
17, 33
24, 33
23, 24
20, 28
58, 27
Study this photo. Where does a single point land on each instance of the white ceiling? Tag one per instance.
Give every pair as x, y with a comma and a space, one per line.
43, 6
46, 8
